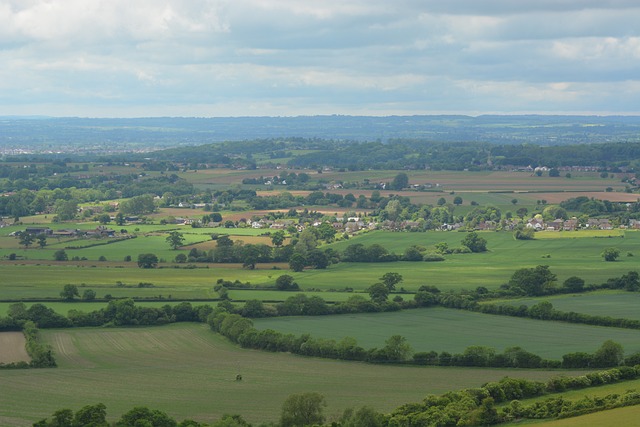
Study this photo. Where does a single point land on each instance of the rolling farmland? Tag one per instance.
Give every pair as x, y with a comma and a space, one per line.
188, 371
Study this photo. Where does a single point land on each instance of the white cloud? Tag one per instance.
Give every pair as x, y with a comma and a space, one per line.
362, 55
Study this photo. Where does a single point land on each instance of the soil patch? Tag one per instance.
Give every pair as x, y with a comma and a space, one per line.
12, 347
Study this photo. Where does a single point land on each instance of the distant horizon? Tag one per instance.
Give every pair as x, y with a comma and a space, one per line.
574, 114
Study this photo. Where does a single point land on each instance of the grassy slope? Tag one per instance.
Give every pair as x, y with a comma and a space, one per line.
188, 371
628, 417
441, 329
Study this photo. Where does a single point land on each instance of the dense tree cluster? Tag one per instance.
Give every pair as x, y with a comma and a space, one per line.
61, 196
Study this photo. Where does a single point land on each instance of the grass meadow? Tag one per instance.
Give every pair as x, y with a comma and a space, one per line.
188, 371
614, 417
441, 329
618, 304
565, 254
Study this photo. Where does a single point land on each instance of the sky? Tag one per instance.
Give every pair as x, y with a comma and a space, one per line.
218, 58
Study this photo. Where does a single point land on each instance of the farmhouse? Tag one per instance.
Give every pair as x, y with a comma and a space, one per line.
39, 230
535, 223
570, 224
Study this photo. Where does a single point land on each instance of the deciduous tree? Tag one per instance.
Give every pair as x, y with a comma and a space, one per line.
390, 280
474, 242
303, 410
533, 281
400, 181
69, 292
610, 254
147, 260
175, 239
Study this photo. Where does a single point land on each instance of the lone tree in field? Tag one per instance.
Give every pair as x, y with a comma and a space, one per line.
175, 240
533, 281
69, 292
60, 255
610, 254
400, 181
474, 242
26, 239
303, 410
147, 260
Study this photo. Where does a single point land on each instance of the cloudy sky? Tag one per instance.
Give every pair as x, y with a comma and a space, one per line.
131, 58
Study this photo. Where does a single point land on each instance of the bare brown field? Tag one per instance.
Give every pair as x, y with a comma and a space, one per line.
12, 347
178, 212
253, 240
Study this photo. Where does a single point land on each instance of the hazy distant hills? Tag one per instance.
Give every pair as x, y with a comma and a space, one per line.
114, 135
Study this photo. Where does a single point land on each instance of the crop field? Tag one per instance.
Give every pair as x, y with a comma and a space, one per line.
582, 234
445, 180
188, 371
617, 304
12, 347
490, 187
440, 329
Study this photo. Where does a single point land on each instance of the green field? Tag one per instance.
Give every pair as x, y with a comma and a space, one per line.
599, 391
188, 371
627, 417
149, 238
64, 307
567, 257
19, 281
440, 329
617, 304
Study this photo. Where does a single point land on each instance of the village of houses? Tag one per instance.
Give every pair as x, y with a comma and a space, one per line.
345, 225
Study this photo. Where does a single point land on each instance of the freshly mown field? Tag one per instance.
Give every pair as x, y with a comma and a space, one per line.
12, 347
188, 371
617, 304
440, 329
